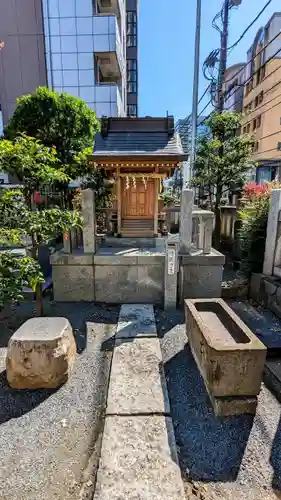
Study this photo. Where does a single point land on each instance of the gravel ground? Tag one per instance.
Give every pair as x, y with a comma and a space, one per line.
221, 458
50, 440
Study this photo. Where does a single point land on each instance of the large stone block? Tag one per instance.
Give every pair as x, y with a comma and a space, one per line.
115, 284
129, 282
139, 460
229, 356
150, 284
41, 354
201, 275
136, 320
73, 283
137, 381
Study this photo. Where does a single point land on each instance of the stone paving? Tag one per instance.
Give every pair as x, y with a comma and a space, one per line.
138, 455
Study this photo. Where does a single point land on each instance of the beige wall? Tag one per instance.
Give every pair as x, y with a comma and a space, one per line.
269, 111
22, 60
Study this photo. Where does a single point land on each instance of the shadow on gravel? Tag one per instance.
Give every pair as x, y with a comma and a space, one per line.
275, 460
15, 403
209, 448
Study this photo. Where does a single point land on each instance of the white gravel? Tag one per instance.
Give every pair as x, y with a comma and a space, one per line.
50, 440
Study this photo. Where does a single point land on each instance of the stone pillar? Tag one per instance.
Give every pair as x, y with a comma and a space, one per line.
171, 274
208, 234
186, 220
89, 216
272, 231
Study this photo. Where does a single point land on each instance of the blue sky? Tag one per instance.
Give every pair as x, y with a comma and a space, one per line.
166, 49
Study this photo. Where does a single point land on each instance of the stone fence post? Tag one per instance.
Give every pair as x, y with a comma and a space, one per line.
186, 220
89, 216
171, 273
272, 232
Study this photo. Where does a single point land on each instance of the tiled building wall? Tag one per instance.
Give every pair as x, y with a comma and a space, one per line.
72, 34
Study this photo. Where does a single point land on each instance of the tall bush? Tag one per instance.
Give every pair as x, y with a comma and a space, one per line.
253, 223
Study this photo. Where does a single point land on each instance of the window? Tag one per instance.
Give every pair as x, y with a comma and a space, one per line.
132, 76
244, 130
248, 128
256, 101
260, 97
131, 87
263, 72
132, 29
254, 124
250, 106
258, 121
132, 110
256, 147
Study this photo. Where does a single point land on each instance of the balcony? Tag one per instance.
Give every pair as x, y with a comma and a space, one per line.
109, 7
109, 56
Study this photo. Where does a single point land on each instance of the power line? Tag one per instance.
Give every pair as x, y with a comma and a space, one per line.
253, 58
202, 111
250, 25
204, 93
262, 113
265, 78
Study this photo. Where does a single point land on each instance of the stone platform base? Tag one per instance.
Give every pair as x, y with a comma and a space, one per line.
266, 291
115, 275
121, 274
200, 275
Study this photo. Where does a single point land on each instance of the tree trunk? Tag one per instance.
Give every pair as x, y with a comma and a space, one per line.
217, 232
39, 300
38, 290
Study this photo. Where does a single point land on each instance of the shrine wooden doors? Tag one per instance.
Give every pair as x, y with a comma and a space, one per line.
138, 201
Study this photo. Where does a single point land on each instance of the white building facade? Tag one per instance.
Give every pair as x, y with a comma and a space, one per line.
85, 50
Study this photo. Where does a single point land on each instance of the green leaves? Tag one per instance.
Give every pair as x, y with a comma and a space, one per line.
15, 273
58, 120
31, 161
225, 157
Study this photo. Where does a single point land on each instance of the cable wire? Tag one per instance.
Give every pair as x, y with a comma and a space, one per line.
250, 25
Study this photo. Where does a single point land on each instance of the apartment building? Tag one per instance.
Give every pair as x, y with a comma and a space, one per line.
75, 46
262, 99
132, 57
233, 87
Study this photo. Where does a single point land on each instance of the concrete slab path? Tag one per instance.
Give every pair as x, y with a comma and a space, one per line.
139, 456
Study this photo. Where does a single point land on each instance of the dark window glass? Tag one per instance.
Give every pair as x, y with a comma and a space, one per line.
132, 87
132, 110
131, 29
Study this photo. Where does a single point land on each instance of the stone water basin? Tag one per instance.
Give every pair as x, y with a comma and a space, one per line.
227, 353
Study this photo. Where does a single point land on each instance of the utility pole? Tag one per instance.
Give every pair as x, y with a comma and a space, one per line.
223, 55
195, 86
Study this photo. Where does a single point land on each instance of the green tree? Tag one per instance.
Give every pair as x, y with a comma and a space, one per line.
36, 165
222, 161
57, 120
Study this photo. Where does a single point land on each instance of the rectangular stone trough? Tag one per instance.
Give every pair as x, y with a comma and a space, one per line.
228, 355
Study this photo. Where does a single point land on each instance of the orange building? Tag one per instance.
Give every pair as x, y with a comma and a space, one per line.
262, 99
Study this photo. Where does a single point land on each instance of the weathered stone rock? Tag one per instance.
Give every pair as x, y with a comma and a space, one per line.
139, 460
137, 382
41, 354
229, 356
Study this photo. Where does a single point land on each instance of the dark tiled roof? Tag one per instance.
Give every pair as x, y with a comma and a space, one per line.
148, 143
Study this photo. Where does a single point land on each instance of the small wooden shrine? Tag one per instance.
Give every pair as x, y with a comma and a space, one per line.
138, 153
